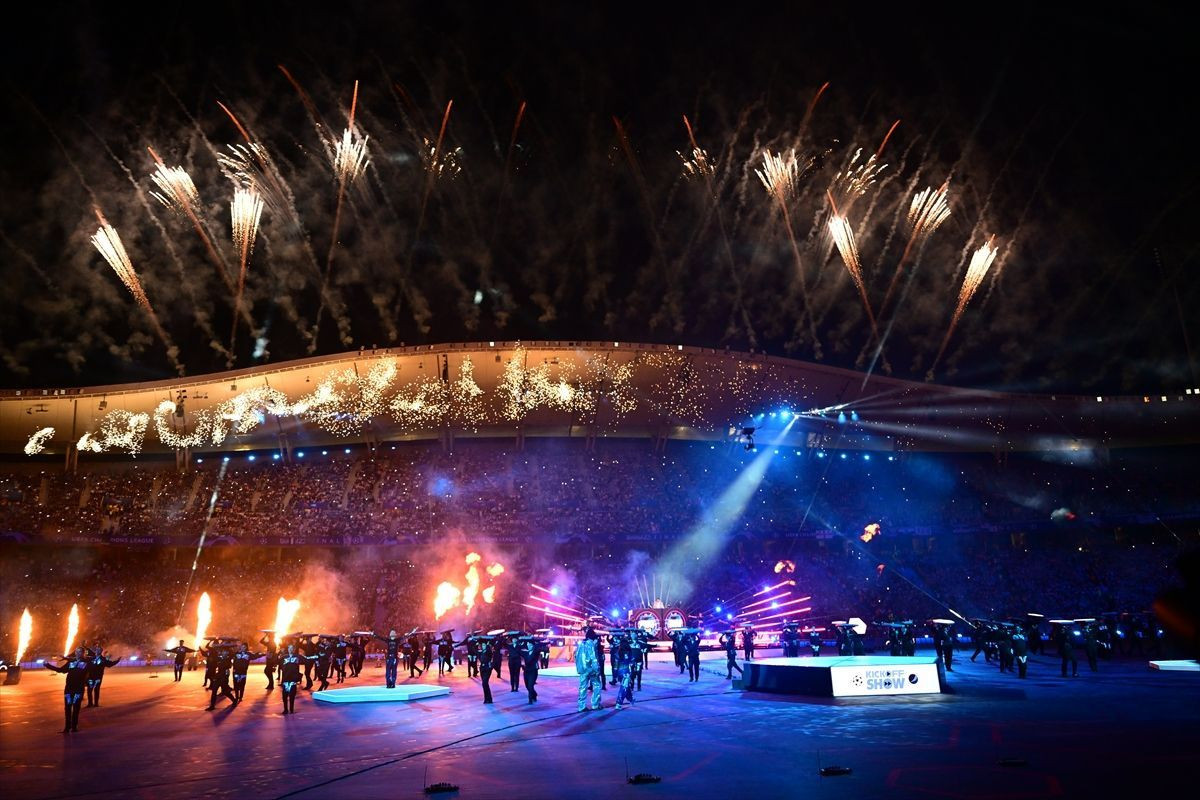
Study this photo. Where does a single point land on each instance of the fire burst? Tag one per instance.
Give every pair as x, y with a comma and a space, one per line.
24, 634
203, 617
854, 181
448, 595
72, 628
981, 262
285, 613
698, 164
780, 175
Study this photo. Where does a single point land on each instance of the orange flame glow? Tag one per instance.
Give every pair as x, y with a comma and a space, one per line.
285, 613
72, 628
24, 633
446, 599
171, 643
448, 595
203, 617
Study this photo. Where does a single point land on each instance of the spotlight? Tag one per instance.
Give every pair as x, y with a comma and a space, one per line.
866, 456
718, 609
820, 454
729, 616
324, 452
226, 459
276, 456
841, 417
300, 454
854, 416
347, 451
843, 455
199, 460
252, 456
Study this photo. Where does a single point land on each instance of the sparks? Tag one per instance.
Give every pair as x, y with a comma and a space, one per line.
981, 262
843, 238
929, 209
780, 175
246, 213
108, 242
24, 634
72, 628
176, 191
854, 181
697, 164
38, 441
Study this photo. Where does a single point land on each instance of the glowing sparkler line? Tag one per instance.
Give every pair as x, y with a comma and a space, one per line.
981, 262
72, 628
24, 634
245, 214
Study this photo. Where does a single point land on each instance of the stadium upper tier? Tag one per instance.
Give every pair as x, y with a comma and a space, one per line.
572, 389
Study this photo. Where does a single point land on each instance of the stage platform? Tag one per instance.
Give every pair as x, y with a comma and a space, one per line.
1179, 665
381, 694
558, 672
844, 676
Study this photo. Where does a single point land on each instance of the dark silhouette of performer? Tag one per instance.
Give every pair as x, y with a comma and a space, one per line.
76, 671
691, 650
341, 653
445, 652
1066, 650
415, 648
289, 677
272, 662
392, 647
218, 684
943, 644
515, 660
748, 642
814, 643
95, 673
728, 640
241, 665
180, 652
488, 650
531, 658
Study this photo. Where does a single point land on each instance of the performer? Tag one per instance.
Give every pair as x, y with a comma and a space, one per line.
415, 648
76, 670
612, 660
218, 657
289, 677
1004, 648
427, 650
728, 640
358, 655
324, 661
272, 662
180, 652
307, 648
1066, 650
640, 644
392, 645
943, 642
623, 671
488, 647
341, 653
1091, 646
531, 656
1020, 646
814, 642
208, 665
497, 658
445, 652
748, 642
587, 665
908, 639
691, 644
241, 665
473, 654
677, 650
600, 657
515, 660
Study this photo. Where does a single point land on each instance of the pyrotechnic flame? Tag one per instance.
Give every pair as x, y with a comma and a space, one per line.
489, 594
854, 181
780, 174
870, 532
929, 209
697, 164
495, 570
285, 613
24, 633
246, 211
171, 643
176, 189
37, 442
72, 628
203, 617
981, 261
446, 599
445, 164
350, 158
108, 242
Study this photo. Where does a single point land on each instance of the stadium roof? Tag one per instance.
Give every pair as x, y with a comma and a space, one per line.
560, 388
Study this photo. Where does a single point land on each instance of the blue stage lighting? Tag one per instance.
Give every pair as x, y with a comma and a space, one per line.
843, 456
854, 416
772, 414
347, 451
300, 454
866, 456
226, 459
252, 456
729, 616
718, 609
614, 613
276, 456
841, 417
820, 454
324, 452
891, 458
554, 591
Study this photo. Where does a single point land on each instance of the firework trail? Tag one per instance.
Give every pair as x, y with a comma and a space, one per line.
349, 163
780, 175
854, 181
309, 106
512, 146
843, 238
928, 210
888, 135
249, 166
24, 633
108, 242
812, 106
246, 213
200, 316
981, 261
177, 192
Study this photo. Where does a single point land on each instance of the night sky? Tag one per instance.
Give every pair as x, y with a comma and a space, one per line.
1062, 132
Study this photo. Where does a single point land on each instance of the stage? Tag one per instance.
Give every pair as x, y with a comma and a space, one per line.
1125, 729
402, 693
844, 676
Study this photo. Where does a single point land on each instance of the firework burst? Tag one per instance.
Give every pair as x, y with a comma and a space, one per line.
697, 164
441, 163
854, 181
350, 158
246, 213
843, 238
928, 210
780, 174
981, 262
176, 191
249, 166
